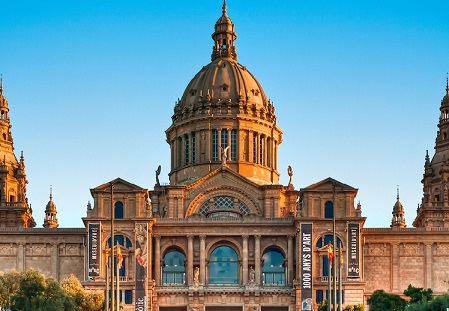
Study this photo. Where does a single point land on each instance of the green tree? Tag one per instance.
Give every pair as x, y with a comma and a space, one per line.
381, 301
439, 303
322, 306
9, 286
418, 294
36, 293
359, 307
83, 301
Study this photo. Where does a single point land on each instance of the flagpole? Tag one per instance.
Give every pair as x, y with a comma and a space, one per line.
340, 266
334, 294
112, 246
107, 280
118, 282
329, 281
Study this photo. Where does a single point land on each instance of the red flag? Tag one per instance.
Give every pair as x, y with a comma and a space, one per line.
341, 257
119, 257
330, 253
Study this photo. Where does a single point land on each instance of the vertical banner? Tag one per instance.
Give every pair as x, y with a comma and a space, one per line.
306, 267
141, 254
353, 250
94, 250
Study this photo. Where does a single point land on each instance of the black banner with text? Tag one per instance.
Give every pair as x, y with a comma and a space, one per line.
353, 250
306, 267
141, 254
93, 246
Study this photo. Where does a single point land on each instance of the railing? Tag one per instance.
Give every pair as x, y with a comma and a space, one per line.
326, 279
173, 278
273, 278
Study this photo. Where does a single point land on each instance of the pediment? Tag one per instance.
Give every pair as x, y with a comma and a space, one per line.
327, 185
120, 185
221, 185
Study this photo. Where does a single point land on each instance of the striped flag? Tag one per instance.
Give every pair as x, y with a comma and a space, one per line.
330, 253
341, 257
119, 257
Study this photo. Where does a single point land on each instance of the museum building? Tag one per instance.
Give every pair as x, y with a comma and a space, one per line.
224, 234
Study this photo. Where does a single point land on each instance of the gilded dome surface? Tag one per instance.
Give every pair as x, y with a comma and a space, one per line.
223, 81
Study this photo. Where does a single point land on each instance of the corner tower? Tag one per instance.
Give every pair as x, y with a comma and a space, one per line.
14, 209
224, 116
434, 208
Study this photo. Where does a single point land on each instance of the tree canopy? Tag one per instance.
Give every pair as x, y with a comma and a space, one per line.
418, 294
381, 301
32, 291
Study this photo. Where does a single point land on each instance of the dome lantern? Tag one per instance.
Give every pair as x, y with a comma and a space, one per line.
224, 37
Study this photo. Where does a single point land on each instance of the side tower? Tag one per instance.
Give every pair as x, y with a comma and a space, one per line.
434, 208
14, 208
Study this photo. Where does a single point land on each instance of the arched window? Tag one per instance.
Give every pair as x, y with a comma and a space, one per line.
323, 241
328, 210
214, 145
224, 207
234, 145
255, 147
174, 270
186, 149
224, 138
118, 210
273, 270
193, 147
125, 243
223, 266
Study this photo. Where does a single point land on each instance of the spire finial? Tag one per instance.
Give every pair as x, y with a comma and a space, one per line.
51, 192
398, 192
224, 7
1, 84
447, 84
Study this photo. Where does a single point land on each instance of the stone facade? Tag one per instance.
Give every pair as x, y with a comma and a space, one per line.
224, 234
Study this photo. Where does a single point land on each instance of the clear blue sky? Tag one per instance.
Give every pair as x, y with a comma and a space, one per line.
356, 85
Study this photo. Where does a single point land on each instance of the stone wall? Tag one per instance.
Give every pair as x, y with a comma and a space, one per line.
56, 253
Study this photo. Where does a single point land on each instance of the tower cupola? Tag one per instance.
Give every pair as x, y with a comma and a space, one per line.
50, 220
224, 37
398, 219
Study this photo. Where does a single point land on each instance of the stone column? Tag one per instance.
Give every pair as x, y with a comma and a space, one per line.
257, 258
20, 257
429, 265
290, 260
298, 255
202, 259
219, 144
251, 147
150, 256
245, 260
54, 261
189, 259
157, 259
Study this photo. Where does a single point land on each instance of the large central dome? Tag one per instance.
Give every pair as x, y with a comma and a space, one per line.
224, 116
